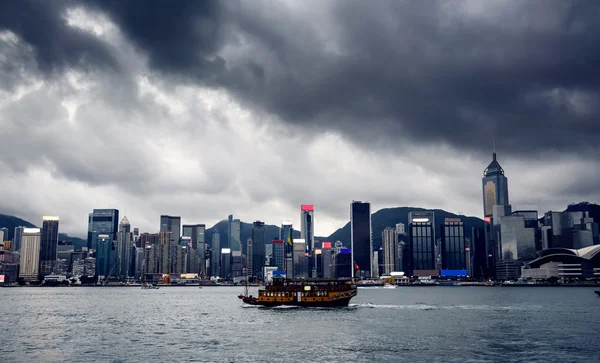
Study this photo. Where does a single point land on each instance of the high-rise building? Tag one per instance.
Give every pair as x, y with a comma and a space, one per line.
326, 260
236, 264
343, 265
30, 254
225, 263
48, 244
389, 249
104, 265
453, 244
422, 241
307, 225
215, 258
258, 248
249, 258
495, 192
17, 238
361, 241
300, 269
568, 230
102, 221
124, 251
517, 237
171, 224
4, 234
234, 225
198, 244
286, 234
278, 253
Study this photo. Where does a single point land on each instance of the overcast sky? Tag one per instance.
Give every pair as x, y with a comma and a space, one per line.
202, 109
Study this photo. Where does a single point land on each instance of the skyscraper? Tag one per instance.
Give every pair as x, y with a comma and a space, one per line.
3, 234
286, 235
171, 224
102, 221
307, 225
258, 249
30, 254
422, 241
453, 244
234, 234
48, 244
300, 269
495, 192
361, 242
279, 254
215, 257
104, 265
124, 249
17, 238
389, 244
196, 232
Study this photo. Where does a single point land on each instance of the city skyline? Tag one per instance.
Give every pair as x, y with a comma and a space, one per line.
395, 112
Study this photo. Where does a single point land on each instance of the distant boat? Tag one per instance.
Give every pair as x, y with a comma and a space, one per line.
150, 286
389, 286
597, 292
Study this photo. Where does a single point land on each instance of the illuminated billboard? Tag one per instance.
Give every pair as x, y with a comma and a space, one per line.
307, 207
326, 244
453, 273
277, 242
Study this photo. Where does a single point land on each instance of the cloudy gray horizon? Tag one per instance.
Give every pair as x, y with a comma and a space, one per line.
208, 108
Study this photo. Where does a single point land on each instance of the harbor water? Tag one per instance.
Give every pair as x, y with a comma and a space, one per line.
407, 324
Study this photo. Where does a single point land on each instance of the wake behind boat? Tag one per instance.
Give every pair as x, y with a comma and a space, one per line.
304, 293
150, 286
597, 292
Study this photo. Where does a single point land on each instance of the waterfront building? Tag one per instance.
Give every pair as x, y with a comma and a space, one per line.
104, 265
102, 221
90, 266
343, 265
278, 248
307, 226
495, 192
30, 254
9, 264
518, 234
236, 264
422, 241
124, 249
258, 248
361, 241
17, 238
570, 230
249, 258
389, 250
478, 252
48, 244
215, 258
300, 258
78, 268
326, 261
225, 263
453, 246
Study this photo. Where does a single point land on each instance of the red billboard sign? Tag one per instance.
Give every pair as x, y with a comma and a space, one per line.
307, 207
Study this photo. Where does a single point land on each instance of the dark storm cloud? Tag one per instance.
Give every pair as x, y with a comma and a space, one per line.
42, 24
524, 73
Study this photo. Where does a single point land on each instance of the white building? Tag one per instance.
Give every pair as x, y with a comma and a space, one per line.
30, 254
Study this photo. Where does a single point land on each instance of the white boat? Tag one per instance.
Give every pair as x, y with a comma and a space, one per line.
389, 286
149, 286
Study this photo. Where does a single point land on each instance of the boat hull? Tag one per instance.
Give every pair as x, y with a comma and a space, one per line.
317, 304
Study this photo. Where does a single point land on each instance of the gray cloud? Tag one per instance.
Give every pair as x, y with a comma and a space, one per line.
204, 108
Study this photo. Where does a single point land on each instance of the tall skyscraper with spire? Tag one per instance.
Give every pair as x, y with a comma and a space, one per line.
495, 192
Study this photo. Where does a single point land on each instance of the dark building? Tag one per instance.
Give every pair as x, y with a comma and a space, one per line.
258, 249
478, 253
453, 244
568, 230
102, 221
343, 263
422, 241
495, 192
195, 232
48, 245
171, 224
279, 254
361, 242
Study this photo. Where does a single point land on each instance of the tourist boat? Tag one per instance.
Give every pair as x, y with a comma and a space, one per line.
597, 292
304, 293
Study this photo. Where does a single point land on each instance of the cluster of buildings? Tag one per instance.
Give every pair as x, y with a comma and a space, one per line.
511, 244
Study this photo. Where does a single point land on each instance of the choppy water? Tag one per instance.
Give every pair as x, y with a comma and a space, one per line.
425, 324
